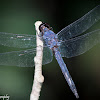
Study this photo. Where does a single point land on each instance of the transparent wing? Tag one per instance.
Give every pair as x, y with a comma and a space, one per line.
80, 25
17, 40
24, 58
80, 44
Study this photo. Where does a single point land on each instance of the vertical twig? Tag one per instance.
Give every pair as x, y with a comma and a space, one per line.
38, 77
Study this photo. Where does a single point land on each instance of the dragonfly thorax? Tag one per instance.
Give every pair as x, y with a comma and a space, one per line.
50, 38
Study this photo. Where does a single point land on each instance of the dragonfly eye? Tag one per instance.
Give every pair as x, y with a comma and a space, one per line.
43, 25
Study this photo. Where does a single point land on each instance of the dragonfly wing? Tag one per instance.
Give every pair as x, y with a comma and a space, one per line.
47, 55
80, 25
24, 58
18, 58
17, 40
80, 44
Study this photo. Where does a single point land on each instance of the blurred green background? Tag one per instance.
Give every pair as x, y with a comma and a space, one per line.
19, 16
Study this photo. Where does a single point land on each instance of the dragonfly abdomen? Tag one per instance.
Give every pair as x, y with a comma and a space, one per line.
65, 71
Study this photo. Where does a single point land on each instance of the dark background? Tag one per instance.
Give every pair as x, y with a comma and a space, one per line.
19, 16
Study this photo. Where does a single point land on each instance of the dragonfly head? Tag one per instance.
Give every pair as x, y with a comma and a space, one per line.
40, 26
43, 25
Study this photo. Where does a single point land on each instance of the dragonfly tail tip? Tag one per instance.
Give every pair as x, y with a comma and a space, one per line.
76, 94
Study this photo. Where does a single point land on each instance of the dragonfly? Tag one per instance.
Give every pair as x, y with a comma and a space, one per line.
69, 42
